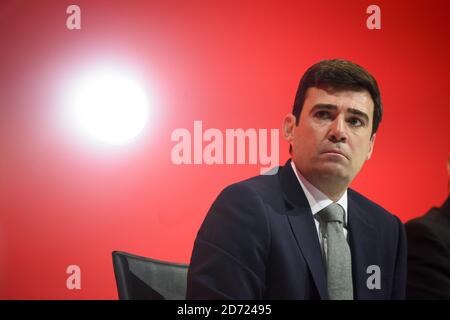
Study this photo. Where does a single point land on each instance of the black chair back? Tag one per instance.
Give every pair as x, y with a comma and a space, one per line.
140, 278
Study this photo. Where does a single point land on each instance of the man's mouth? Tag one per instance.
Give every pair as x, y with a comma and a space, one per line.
335, 152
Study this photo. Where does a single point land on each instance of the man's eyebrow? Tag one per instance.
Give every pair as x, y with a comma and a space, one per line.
359, 113
327, 106
324, 106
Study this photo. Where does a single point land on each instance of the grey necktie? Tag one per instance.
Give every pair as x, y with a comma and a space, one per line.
338, 260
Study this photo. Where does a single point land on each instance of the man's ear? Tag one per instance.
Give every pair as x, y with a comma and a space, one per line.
288, 127
372, 143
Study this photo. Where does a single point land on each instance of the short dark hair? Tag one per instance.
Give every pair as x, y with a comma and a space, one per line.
339, 75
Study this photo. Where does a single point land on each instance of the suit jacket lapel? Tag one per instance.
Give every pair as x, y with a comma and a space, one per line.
302, 222
362, 239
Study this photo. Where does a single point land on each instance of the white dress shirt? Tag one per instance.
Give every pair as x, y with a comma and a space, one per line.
317, 201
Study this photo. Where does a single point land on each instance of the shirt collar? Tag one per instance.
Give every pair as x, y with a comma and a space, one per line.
317, 199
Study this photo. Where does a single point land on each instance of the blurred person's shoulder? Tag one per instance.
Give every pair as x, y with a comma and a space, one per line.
436, 221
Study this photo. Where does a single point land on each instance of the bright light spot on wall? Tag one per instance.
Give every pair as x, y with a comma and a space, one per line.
109, 107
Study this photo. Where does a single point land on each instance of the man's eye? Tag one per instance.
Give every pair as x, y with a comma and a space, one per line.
322, 114
356, 122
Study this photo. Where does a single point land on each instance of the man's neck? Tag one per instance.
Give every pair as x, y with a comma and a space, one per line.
332, 192
328, 185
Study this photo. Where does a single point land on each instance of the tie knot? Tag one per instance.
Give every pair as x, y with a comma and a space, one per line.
333, 213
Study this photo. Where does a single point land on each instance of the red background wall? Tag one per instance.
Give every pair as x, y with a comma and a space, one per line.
230, 64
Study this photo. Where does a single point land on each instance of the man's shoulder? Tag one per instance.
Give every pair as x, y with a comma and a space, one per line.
376, 211
264, 187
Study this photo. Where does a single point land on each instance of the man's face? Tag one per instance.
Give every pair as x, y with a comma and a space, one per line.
333, 136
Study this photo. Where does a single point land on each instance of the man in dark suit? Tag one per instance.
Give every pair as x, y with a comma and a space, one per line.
429, 253
302, 233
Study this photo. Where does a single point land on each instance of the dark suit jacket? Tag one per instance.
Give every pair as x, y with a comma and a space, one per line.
429, 254
259, 241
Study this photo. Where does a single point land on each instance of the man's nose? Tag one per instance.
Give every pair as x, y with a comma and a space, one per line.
337, 131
